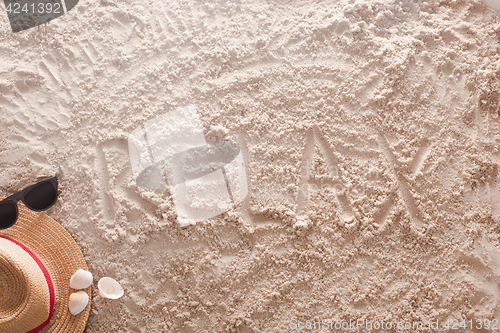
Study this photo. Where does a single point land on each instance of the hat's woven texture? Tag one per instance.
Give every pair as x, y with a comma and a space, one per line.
24, 292
60, 254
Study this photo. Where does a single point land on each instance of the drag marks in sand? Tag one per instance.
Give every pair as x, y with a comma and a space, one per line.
483, 186
480, 269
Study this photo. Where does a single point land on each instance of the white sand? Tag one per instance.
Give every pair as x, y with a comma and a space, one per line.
370, 132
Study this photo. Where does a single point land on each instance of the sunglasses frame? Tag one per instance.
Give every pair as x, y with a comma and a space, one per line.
19, 196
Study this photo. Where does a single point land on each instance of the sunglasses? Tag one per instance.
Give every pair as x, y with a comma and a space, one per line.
38, 197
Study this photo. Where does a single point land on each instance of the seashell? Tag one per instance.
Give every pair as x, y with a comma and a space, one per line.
109, 288
78, 302
81, 279
495, 4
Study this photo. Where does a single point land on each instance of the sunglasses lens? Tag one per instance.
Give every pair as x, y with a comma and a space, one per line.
41, 197
8, 214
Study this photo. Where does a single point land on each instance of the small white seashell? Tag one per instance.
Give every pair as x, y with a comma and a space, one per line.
81, 279
78, 302
495, 4
109, 288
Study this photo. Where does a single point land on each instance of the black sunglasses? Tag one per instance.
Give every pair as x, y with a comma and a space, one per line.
38, 197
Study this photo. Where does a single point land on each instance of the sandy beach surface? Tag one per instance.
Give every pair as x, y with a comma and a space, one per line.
370, 134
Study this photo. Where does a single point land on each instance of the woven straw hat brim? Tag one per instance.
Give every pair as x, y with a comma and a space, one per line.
61, 256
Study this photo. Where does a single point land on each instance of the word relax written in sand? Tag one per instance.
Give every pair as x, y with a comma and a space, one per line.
344, 194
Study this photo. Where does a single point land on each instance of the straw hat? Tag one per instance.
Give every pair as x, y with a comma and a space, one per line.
37, 259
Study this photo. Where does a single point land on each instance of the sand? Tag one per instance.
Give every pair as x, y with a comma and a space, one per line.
370, 134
